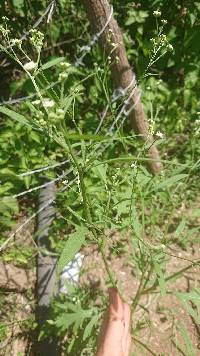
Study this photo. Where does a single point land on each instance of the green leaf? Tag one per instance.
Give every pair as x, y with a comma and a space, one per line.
15, 116
65, 320
170, 181
18, 3
188, 298
9, 204
180, 228
188, 343
161, 279
90, 326
100, 171
51, 63
72, 246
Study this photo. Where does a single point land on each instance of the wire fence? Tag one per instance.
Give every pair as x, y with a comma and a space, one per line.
118, 93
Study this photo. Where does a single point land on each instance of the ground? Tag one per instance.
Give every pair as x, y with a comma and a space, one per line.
156, 321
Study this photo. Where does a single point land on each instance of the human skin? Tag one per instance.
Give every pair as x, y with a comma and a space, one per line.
114, 338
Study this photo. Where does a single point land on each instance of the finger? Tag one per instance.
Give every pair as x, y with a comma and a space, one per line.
127, 318
127, 345
126, 339
116, 308
113, 314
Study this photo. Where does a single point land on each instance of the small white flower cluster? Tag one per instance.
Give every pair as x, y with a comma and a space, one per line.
30, 66
159, 81
159, 134
36, 102
115, 178
64, 75
109, 59
37, 39
56, 116
134, 165
110, 35
151, 126
161, 42
162, 39
16, 42
42, 123
4, 31
5, 18
65, 65
65, 181
170, 47
47, 103
157, 13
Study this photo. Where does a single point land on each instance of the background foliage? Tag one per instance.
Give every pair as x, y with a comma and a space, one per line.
146, 206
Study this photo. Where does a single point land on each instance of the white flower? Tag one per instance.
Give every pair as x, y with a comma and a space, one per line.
16, 42
163, 38
164, 21
170, 47
133, 165
159, 134
47, 103
65, 181
65, 65
158, 82
157, 13
36, 102
29, 66
60, 111
62, 76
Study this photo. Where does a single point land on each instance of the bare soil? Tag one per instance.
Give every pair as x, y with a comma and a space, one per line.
17, 285
157, 319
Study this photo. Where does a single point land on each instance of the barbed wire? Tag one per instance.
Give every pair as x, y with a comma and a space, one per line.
79, 61
42, 185
42, 169
49, 202
117, 94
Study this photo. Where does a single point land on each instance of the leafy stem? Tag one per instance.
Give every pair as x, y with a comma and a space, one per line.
88, 216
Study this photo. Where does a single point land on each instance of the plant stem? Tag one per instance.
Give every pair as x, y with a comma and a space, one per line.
88, 213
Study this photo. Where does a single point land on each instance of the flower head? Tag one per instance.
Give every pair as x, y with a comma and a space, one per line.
159, 134
157, 13
16, 42
29, 66
170, 47
47, 103
36, 102
65, 65
36, 39
63, 76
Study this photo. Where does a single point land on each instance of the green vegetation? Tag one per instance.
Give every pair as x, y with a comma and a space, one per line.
104, 186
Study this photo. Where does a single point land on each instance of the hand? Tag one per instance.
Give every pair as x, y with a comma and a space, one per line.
115, 339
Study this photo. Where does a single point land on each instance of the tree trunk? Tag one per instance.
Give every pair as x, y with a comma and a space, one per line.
122, 74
